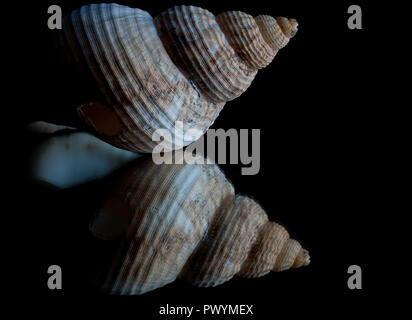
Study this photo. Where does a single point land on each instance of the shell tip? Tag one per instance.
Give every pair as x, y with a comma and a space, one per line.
305, 257
289, 26
302, 259
294, 23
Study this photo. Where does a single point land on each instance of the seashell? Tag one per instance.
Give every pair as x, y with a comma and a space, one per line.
183, 65
66, 160
185, 221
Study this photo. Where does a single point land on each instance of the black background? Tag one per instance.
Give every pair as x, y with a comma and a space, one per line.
321, 124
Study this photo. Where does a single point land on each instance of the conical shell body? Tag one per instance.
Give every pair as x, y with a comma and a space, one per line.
185, 221
181, 66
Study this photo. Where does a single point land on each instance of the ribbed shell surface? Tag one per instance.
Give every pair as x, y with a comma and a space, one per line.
195, 41
244, 36
168, 215
121, 47
181, 66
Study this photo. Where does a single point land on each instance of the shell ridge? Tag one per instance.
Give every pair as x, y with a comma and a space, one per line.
139, 223
208, 170
253, 259
236, 35
87, 15
133, 77
185, 19
264, 54
163, 120
105, 23
128, 92
149, 228
168, 122
226, 81
251, 47
216, 250
219, 78
193, 261
283, 259
83, 37
174, 206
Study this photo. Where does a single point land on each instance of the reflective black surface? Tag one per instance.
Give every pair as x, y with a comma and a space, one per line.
321, 136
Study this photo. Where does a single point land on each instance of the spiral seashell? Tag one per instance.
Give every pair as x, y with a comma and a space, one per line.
182, 65
185, 221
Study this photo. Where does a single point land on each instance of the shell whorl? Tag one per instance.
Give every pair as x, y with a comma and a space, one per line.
276, 32
183, 65
185, 221
195, 42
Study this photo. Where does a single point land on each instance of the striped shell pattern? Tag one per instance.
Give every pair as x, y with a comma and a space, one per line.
182, 65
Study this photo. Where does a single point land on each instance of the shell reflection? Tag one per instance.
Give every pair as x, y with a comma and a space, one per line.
185, 221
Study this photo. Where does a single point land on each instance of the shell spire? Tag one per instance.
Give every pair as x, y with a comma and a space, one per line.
185, 221
274, 251
277, 32
149, 73
256, 40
